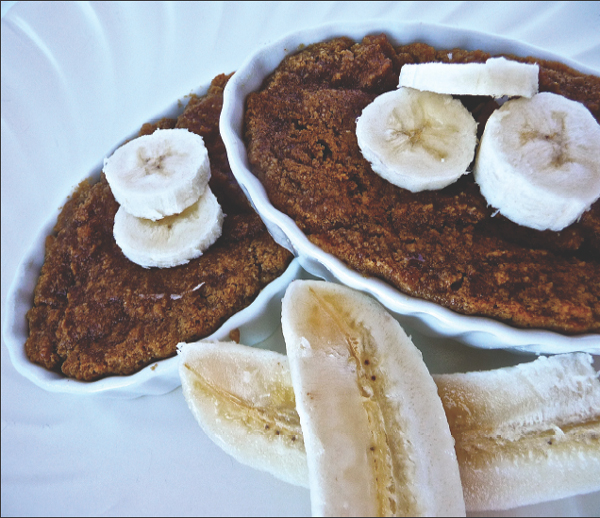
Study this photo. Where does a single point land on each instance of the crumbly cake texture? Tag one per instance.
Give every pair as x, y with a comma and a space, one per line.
445, 246
96, 313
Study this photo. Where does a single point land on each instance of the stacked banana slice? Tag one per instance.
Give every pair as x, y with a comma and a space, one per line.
538, 162
168, 214
356, 417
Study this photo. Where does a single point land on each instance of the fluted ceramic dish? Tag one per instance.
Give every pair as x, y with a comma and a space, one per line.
257, 322
430, 318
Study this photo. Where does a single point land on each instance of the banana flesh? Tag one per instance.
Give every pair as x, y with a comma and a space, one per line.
375, 433
539, 161
497, 77
243, 399
158, 175
172, 240
168, 214
417, 140
524, 434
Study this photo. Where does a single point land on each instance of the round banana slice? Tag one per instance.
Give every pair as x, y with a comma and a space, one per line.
172, 240
158, 175
417, 140
538, 161
496, 77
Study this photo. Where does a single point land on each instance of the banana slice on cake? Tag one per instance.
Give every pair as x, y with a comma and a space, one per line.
243, 399
159, 175
417, 140
172, 240
497, 77
376, 436
538, 161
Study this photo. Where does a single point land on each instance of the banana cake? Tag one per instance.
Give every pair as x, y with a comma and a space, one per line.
446, 246
96, 313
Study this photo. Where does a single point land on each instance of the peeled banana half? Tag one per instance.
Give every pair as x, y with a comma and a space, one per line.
376, 437
243, 399
525, 434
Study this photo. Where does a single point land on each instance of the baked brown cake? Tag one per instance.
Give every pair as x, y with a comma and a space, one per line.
446, 246
97, 314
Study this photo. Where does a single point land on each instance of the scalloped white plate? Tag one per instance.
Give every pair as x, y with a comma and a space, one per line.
77, 77
428, 317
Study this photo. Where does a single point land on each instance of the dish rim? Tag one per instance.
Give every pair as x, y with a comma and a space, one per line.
157, 378
432, 319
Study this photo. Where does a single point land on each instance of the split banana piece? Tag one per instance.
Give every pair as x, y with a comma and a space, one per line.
376, 437
417, 140
525, 434
172, 240
497, 77
158, 175
243, 399
168, 214
539, 161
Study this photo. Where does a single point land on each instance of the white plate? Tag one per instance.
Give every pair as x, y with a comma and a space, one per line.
77, 78
428, 317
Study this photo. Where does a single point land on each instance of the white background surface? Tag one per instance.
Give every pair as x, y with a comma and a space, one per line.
76, 80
